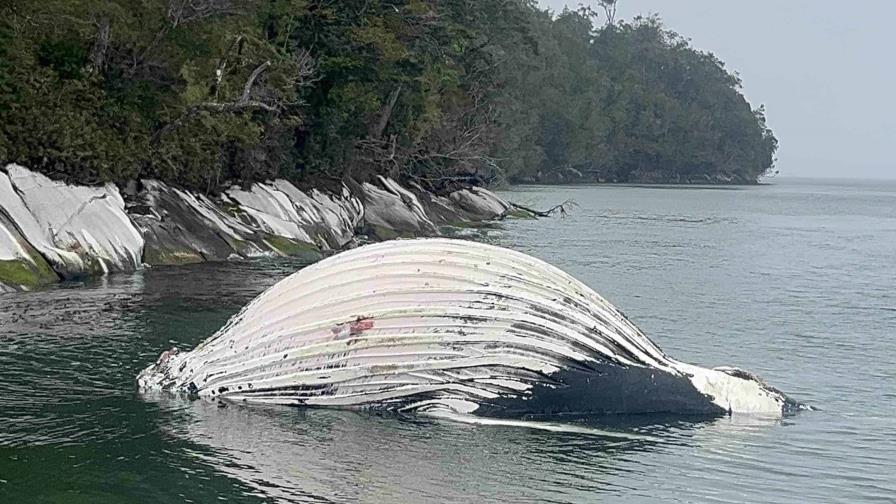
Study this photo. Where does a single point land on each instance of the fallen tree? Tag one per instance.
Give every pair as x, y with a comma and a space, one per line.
561, 208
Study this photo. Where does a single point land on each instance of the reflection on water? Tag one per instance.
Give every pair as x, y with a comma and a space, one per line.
794, 282
359, 457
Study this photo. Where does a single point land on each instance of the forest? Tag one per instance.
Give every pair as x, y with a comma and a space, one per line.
208, 93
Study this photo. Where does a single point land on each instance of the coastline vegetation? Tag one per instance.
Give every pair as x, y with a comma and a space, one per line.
205, 93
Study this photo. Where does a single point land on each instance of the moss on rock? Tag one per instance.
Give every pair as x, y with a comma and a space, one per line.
518, 213
293, 248
159, 257
22, 274
383, 233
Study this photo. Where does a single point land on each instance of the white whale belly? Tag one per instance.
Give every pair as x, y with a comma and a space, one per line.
438, 324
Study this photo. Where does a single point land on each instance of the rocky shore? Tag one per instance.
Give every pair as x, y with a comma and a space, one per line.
52, 231
570, 175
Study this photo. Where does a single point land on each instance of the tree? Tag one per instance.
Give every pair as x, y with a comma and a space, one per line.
609, 7
205, 93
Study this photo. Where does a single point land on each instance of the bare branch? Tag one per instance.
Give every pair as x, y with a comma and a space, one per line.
221, 70
244, 103
385, 114
236, 106
247, 89
97, 58
546, 213
187, 11
305, 68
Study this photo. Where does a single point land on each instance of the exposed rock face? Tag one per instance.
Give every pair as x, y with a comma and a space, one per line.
338, 216
21, 266
480, 203
49, 229
10, 247
79, 230
325, 220
441, 210
391, 211
180, 227
273, 218
270, 210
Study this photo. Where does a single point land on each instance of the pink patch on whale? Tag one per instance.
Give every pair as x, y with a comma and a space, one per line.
360, 325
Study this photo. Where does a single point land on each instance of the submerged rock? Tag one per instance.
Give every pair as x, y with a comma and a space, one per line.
79, 230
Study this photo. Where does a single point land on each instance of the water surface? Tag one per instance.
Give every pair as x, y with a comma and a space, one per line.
795, 281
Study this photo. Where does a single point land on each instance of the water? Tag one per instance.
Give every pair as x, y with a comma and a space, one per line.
794, 281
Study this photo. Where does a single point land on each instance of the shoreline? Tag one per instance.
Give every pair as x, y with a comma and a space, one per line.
51, 231
673, 185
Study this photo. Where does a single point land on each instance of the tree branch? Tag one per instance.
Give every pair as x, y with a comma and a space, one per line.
97, 58
247, 89
546, 213
244, 103
385, 114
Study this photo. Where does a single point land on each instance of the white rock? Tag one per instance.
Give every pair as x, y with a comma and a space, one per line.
395, 208
79, 229
407, 196
280, 208
21, 267
271, 209
340, 213
441, 210
480, 202
180, 226
219, 220
10, 249
329, 219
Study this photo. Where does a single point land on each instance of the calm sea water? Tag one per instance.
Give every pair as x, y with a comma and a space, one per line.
795, 281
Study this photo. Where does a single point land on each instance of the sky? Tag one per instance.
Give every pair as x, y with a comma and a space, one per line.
825, 70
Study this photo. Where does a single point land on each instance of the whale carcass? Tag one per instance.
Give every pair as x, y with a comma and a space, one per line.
442, 326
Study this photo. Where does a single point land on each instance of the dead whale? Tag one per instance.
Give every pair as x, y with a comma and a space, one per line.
442, 327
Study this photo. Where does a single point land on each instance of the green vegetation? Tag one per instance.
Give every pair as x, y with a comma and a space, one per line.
304, 251
204, 92
171, 257
27, 275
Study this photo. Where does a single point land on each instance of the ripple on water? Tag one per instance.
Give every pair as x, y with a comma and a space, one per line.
793, 282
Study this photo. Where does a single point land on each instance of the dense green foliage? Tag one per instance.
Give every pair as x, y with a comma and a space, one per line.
203, 92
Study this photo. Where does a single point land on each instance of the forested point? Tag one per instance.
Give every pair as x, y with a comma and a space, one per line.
206, 93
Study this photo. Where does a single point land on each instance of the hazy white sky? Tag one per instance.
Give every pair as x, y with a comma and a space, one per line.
825, 70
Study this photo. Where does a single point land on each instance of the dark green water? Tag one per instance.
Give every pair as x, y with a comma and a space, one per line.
795, 281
